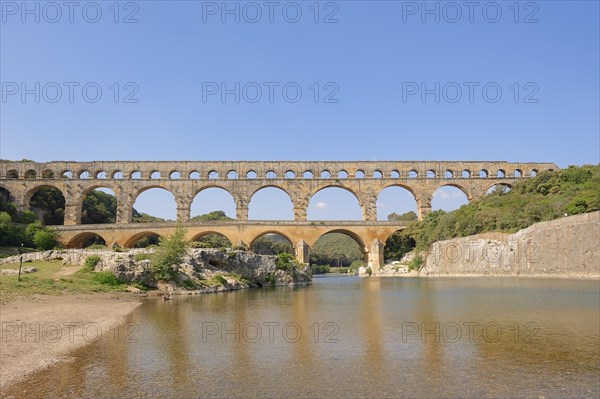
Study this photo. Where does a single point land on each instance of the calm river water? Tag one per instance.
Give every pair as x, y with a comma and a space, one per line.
349, 337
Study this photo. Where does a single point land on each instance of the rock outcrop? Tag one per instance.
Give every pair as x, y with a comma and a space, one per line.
202, 270
565, 247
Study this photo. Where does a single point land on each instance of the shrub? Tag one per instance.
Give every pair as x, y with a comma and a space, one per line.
169, 252
416, 263
140, 257
45, 239
117, 248
106, 278
284, 261
219, 279
92, 261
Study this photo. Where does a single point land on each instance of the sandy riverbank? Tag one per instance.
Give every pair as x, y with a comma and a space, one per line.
40, 331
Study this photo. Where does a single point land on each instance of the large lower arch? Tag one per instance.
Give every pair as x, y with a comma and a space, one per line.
334, 202
337, 245
499, 188
270, 203
395, 202
211, 239
133, 240
272, 243
82, 240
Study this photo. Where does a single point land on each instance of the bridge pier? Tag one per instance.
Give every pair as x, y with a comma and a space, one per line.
375, 256
302, 252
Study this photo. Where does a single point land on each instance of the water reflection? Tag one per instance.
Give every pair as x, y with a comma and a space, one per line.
349, 337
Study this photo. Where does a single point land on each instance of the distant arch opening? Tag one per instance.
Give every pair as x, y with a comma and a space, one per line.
325, 174
48, 203
501, 173
48, 174
270, 203
211, 240
395, 174
87, 240
413, 174
67, 174
431, 174
154, 204
136, 175
84, 174
5, 195
155, 175
498, 189
483, 173
272, 243
290, 175
251, 174
117, 175
466, 173
449, 174
377, 174
397, 245
308, 174
448, 198
12, 174
232, 174
533, 172
213, 174
271, 175
212, 204
396, 203
143, 240
518, 173
101, 175
337, 252
99, 206
194, 175
359, 174
30, 174
334, 203
175, 175
342, 174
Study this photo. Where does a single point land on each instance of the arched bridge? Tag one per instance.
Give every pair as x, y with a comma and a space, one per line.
242, 179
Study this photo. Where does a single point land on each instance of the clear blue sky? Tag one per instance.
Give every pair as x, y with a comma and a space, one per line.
371, 57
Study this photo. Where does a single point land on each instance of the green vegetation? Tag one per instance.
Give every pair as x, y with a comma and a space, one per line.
406, 217
168, 254
90, 263
48, 281
285, 261
211, 216
335, 249
416, 263
218, 279
272, 244
320, 269
140, 257
548, 196
99, 207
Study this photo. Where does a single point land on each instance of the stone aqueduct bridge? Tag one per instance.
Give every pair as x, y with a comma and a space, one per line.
300, 180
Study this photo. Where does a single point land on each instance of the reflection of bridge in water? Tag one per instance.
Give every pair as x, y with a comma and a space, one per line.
242, 179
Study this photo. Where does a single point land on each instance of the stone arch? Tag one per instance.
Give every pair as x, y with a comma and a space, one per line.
100, 174
342, 174
48, 174
136, 194
12, 174
251, 174
412, 174
174, 174
465, 174
84, 174
359, 174
308, 174
290, 207
195, 202
30, 174
450, 198
276, 232
518, 173
212, 174
405, 188
360, 242
311, 199
232, 174
197, 236
87, 191
80, 239
132, 240
5, 194
58, 220
500, 173
492, 186
289, 174
484, 173
395, 174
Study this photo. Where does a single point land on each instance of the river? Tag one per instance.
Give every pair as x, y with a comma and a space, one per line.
348, 337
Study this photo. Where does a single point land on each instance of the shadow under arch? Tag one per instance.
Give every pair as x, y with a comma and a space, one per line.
31, 192
271, 232
131, 241
80, 239
348, 233
202, 234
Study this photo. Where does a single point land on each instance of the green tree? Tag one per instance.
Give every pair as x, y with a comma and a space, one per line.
168, 254
45, 239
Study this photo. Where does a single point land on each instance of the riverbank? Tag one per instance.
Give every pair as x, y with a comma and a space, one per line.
561, 248
41, 330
